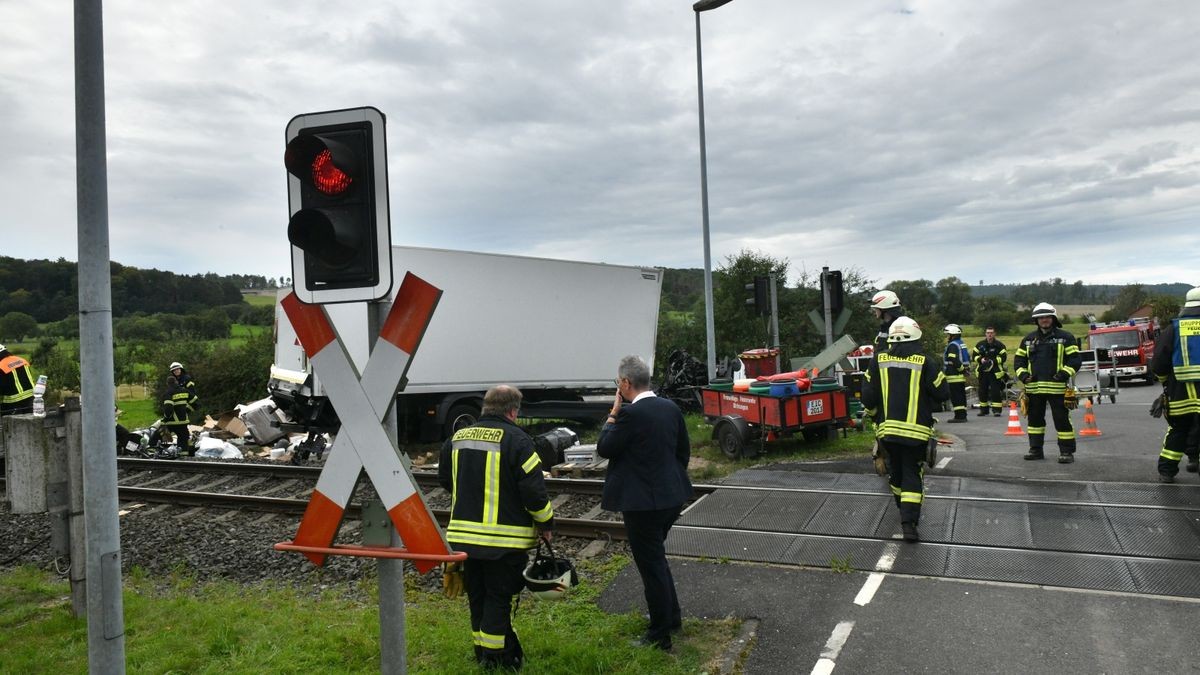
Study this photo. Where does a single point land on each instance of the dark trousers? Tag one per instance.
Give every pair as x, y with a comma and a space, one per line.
991, 392
958, 399
183, 437
19, 408
1176, 443
491, 585
647, 532
907, 476
1036, 407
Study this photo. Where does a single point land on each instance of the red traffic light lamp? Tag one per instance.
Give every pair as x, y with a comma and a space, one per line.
338, 202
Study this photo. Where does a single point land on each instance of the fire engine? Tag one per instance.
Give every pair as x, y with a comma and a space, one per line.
1130, 345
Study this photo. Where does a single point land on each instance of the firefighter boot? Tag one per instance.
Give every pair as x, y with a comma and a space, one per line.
1035, 453
1065, 458
983, 412
910, 531
1193, 464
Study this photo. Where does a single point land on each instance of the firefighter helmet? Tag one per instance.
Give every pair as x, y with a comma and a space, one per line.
1192, 299
174, 365
1044, 309
885, 299
3, 348
549, 577
952, 329
904, 329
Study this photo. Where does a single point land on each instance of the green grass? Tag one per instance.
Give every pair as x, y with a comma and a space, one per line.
180, 625
266, 300
137, 413
792, 449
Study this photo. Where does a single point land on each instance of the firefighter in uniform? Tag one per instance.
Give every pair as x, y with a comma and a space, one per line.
954, 365
16, 384
886, 306
1045, 361
176, 413
899, 393
989, 356
1177, 365
498, 511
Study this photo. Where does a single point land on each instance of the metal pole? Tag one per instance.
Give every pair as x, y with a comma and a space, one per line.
710, 332
775, 323
106, 623
392, 639
828, 310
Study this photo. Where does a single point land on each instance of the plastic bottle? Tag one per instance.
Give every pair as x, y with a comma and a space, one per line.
39, 403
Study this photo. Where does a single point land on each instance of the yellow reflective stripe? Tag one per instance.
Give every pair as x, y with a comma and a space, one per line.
956, 378
494, 542
453, 477
1187, 372
939, 379
1065, 435
489, 641
463, 525
895, 490
531, 463
491, 488
914, 396
903, 430
1171, 455
543, 514
1036, 431
911, 497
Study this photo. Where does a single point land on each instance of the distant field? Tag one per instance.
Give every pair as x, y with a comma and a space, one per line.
259, 299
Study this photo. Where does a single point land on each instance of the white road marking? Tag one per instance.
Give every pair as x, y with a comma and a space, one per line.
833, 647
884, 565
823, 667
942, 462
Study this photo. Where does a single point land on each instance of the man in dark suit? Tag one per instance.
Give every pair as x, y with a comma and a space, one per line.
646, 444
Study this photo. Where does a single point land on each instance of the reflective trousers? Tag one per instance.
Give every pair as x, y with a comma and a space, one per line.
1036, 406
907, 477
1182, 431
991, 393
491, 585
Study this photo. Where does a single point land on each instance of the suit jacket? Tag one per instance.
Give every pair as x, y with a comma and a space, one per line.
647, 450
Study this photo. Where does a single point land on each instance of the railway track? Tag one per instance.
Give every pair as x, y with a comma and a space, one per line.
585, 527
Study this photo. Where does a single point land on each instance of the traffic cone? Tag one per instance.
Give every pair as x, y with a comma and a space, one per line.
1014, 421
1089, 421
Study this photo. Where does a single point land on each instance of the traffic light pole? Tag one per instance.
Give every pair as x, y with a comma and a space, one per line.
105, 607
825, 297
393, 646
775, 323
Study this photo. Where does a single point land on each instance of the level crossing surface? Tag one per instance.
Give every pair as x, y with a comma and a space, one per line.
1023, 566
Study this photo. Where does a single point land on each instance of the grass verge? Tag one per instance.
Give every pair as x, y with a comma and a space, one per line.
181, 625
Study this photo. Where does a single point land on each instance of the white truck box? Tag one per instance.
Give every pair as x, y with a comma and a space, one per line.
535, 323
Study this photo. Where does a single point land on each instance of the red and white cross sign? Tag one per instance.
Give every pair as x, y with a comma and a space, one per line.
361, 404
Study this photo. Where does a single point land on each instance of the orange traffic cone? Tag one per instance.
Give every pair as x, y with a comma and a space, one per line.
1089, 421
1014, 421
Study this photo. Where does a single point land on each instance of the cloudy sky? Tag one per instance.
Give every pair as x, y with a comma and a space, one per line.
996, 141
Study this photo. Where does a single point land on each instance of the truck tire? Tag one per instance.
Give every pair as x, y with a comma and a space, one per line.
460, 416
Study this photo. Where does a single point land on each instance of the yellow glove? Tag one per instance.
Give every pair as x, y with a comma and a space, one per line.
452, 579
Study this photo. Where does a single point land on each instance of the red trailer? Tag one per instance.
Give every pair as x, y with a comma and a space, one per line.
739, 417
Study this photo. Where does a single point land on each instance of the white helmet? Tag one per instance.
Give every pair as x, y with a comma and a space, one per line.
549, 577
952, 329
2, 348
885, 300
1044, 309
904, 329
1192, 299
174, 365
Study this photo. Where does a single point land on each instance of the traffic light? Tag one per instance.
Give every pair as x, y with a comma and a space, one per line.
756, 296
338, 203
833, 279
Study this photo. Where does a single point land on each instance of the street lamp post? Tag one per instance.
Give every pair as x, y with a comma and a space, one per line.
709, 325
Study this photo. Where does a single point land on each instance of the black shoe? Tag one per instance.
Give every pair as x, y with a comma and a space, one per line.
983, 413
644, 641
1193, 465
1065, 458
957, 420
996, 414
910, 531
1034, 454
675, 627
1166, 478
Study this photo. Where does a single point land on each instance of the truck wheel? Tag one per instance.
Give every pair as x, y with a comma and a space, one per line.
461, 416
730, 440
818, 434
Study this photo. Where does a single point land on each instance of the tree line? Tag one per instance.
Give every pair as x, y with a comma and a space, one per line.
48, 290
933, 304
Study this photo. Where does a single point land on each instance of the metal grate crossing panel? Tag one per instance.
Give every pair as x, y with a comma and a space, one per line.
1071, 528
783, 511
1041, 567
1159, 534
723, 508
993, 524
849, 515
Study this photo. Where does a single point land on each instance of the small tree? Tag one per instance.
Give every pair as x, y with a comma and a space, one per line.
15, 326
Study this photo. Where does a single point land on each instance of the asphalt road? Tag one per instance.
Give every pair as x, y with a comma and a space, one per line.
822, 621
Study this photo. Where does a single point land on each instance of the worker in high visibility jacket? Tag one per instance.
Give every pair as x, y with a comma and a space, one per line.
176, 413
1046, 360
989, 357
899, 394
954, 366
499, 510
16, 384
1176, 364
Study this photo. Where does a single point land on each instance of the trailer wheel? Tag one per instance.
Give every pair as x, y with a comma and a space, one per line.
730, 440
461, 416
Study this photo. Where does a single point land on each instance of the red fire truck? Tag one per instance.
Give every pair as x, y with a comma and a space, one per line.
1130, 345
